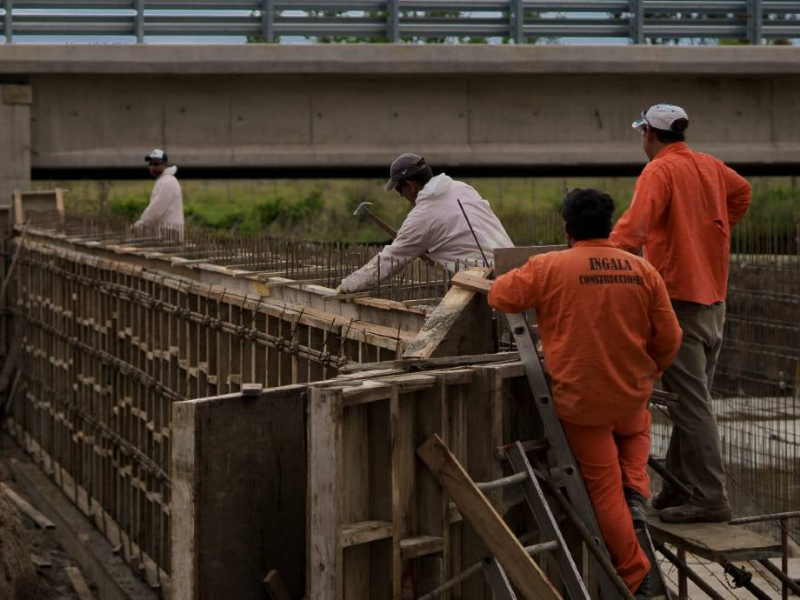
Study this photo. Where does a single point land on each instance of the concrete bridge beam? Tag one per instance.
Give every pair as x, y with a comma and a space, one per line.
269, 110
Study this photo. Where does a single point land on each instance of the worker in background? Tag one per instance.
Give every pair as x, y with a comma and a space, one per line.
683, 209
165, 209
435, 225
608, 331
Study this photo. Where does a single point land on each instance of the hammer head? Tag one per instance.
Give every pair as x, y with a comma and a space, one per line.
362, 209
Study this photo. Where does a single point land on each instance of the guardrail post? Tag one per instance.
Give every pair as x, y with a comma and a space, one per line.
755, 17
516, 10
637, 21
268, 20
138, 26
393, 20
8, 21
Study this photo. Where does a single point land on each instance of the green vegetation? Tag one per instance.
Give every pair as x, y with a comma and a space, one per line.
322, 209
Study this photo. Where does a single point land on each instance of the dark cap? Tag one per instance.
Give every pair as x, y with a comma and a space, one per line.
404, 167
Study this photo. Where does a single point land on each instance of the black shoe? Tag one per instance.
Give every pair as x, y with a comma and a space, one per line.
692, 513
643, 592
638, 507
666, 499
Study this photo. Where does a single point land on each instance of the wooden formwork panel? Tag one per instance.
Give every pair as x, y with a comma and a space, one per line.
239, 494
379, 525
109, 346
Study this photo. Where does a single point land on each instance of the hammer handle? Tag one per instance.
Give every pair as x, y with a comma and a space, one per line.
383, 225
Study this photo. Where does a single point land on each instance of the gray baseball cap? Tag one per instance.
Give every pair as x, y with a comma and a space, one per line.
660, 116
404, 167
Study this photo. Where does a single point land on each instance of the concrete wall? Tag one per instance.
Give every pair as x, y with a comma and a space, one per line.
15, 140
274, 108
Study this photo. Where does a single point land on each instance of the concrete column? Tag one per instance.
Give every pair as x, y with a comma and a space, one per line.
15, 140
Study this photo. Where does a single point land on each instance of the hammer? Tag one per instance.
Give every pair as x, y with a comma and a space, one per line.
364, 209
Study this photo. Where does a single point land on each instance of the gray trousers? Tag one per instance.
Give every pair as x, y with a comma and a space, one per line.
694, 455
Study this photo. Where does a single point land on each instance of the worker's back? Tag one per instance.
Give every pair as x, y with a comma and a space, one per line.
684, 206
606, 324
165, 209
438, 217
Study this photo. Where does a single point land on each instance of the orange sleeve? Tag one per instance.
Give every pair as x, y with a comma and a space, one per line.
738, 196
665, 332
650, 200
517, 290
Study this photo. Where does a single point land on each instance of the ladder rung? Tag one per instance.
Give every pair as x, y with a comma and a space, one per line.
529, 446
501, 483
537, 549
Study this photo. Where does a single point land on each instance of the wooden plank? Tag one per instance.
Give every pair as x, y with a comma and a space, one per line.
27, 508
275, 586
422, 545
471, 282
39, 562
79, 583
506, 259
431, 363
445, 322
324, 566
714, 541
365, 532
523, 572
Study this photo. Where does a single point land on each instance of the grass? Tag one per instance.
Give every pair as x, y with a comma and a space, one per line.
322, 209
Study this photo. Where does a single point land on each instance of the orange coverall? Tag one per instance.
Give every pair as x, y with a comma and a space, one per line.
608, 331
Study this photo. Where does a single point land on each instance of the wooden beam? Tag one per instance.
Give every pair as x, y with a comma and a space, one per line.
422, 364
471, 282
455, 320
714, 541
79, 583
523, 572
27, 508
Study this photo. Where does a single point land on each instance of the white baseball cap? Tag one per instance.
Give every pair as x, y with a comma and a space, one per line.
158, 155
661, 116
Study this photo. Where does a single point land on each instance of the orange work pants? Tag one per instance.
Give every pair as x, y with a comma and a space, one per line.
610, 456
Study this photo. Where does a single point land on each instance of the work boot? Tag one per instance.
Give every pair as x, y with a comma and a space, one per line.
667, 499
638, 507
692, 513
643, 591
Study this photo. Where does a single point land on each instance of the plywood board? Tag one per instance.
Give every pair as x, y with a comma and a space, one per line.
506, 259
715, 541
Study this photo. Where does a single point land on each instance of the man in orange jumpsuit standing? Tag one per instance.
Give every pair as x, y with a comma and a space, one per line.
683, 209
608, 331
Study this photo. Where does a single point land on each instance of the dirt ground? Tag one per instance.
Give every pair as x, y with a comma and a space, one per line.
19, 539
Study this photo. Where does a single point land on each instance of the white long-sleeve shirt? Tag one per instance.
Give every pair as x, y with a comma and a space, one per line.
437, 226
165, 209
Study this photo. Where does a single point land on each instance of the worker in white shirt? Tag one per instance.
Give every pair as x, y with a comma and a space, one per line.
165, 210
435, 226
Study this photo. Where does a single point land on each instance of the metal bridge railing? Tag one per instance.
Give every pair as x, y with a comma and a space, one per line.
519, 21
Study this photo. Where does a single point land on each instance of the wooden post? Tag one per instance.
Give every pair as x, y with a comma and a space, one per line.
324, 572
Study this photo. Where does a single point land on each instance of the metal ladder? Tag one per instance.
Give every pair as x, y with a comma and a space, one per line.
525, 477
547, 527
567, 473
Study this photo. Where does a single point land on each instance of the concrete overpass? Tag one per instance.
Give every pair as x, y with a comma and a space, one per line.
263, 110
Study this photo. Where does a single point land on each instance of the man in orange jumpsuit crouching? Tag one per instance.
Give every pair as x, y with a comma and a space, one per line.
608, 331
